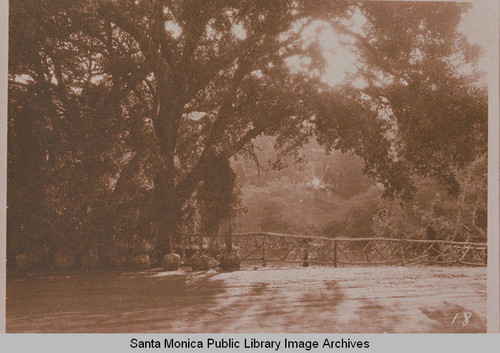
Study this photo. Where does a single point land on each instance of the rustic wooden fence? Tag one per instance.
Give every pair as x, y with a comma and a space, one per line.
275, 247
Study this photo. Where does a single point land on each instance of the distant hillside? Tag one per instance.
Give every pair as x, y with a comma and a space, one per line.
303, 196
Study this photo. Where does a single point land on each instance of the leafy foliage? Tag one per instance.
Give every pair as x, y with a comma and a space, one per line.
117, 108
460, 218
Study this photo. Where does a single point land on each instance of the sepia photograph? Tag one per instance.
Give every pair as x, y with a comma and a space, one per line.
248, 166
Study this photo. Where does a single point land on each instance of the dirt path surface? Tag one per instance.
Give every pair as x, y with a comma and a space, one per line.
271, 299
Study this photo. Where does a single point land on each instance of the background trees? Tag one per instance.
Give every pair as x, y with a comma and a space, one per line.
124, 114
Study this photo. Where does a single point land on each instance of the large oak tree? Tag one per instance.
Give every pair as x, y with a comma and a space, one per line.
160, 94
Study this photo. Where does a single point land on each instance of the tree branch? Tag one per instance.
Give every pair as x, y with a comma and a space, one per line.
251, 151
374, 52
249, 136
112, 13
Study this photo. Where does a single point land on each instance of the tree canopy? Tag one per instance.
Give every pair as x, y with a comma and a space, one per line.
120, 110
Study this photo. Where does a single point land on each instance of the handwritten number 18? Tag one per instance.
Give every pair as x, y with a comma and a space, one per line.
467, 316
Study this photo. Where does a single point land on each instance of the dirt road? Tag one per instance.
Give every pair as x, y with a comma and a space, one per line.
256, 299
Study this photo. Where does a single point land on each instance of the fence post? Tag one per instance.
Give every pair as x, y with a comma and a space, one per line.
264, 251
401, 248
334, 253
305, 262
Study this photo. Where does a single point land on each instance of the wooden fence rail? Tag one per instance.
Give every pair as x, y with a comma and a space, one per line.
269, 247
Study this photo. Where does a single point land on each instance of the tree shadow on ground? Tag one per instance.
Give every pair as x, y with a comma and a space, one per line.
308, 308
212, 302
109, 302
